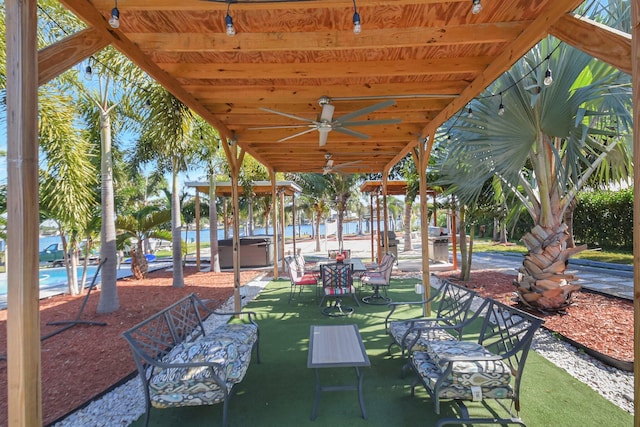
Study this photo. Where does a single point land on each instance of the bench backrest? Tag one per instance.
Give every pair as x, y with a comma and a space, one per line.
454, 303
153, 338
508, 331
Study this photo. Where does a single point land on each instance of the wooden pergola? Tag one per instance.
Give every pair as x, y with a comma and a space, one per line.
417, 61
278, 193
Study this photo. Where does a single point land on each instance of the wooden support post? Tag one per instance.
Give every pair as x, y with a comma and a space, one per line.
274, 216
422, 159
24, 380
635, 49
293, 222
235, 157
378, 226
371, 225
197, 230
385, 179
282, 226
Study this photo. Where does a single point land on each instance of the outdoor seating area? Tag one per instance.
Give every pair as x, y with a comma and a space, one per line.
286, 388
179, 364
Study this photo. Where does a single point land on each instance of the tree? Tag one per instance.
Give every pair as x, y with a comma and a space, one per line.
142, 225
547, 144
169, 133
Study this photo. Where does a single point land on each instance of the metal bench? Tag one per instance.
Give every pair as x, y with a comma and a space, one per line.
453, 304
487, 369
180, 364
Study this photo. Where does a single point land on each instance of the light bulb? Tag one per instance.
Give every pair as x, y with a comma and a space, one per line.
357, 26
88, 73
501, 109
231, 31
114, 21
147, 105
470, 113
547, 78
477, 7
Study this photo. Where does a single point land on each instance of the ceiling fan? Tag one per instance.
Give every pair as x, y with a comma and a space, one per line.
326, 123
330, 166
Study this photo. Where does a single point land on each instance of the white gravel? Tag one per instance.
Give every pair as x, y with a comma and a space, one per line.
125, 404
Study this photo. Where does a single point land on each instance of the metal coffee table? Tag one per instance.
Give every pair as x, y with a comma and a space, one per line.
338, 346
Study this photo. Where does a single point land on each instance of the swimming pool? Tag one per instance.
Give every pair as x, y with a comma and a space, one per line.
57, 277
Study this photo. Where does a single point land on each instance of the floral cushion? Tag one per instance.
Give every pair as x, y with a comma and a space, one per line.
483, 373
398, 329
196, 385
449, 389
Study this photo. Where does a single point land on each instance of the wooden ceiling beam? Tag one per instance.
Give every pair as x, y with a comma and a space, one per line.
532, 34
310, 108
325, 40
602, 42
236, 121
199, 5
57, 58
86, 11
393, 68
268, 95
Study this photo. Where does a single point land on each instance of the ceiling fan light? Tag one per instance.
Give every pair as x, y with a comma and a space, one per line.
477, 7
114, 21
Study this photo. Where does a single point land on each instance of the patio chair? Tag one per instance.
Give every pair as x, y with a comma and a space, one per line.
337, 281
299, 280
379, 279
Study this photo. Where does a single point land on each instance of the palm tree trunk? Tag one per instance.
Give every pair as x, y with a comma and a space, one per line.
108, 253
543, 282
464, 269
178, 272
213, 226
318, 220
407, 225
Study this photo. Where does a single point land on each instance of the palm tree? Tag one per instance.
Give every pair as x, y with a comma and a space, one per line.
168, 137
545, 147
142, 225
68, 176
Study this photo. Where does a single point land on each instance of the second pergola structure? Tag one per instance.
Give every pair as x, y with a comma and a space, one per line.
277, 189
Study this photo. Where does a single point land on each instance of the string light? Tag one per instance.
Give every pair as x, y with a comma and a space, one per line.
470, 113
88, 72
231, 30
114, 21
547, 74
357, 26
501, 107
477, 7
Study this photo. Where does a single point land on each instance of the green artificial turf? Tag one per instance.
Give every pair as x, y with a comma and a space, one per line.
280, 390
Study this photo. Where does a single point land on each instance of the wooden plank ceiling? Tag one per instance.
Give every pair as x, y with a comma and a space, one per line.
430, 57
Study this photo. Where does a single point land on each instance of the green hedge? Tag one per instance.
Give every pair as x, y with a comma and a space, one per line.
605, 219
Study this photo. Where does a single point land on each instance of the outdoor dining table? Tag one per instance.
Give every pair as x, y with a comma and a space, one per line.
358, 265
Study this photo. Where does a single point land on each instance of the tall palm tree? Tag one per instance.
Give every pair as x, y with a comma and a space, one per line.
544, 148
169, 133
68, 176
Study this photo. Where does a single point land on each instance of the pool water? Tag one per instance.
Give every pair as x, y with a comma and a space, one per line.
50, 277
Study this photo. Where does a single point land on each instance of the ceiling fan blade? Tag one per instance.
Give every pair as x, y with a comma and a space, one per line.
291, 116
324, 133
342, 165
372, 122
351, 132
366, 110
280, 127
297, 134
327, 112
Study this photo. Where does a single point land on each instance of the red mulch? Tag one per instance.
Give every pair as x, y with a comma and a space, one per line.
84, 361
599, 322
